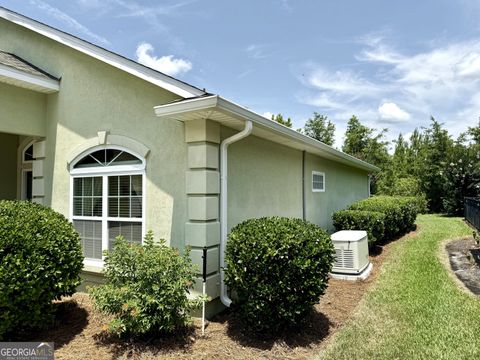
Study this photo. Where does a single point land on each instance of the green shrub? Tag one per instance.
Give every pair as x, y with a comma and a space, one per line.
400, 212
147, 288
40, 261
278, 268
371, 221
407, 186
421, 203
410, 208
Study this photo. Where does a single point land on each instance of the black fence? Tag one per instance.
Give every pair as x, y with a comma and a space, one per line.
472, 211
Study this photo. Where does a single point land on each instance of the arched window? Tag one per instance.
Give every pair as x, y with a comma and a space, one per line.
107, 198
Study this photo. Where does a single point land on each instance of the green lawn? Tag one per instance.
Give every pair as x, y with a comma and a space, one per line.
415, 310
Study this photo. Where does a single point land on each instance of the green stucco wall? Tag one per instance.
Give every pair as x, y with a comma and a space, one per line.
265, 179
22, 111
343, 186
8, 180
94, 96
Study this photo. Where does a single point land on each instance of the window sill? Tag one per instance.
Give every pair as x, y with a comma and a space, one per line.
94, 268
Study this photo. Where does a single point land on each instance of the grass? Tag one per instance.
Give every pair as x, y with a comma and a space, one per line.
415, 310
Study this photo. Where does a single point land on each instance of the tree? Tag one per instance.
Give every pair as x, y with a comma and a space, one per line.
400, 157
356, 138
474, 132
361, 143
279, 118
438, 146
461, 176
320, 128
416, 154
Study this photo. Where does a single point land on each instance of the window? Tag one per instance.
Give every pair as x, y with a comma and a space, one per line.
318, 181
26, 174
107, 199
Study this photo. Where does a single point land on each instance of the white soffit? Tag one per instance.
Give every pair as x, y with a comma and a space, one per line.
164, 81
232, 115
29, 81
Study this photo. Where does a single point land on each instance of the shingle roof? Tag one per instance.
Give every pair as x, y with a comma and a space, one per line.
18, 63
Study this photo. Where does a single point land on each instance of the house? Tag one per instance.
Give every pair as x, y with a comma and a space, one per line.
120, 148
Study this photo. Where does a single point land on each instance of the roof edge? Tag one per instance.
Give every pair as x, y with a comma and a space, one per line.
169, 83
27, 80
215, 101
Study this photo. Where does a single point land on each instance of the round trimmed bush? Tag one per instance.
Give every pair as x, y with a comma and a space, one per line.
40, 261
278, 269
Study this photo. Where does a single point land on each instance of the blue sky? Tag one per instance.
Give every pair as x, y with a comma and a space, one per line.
391, 63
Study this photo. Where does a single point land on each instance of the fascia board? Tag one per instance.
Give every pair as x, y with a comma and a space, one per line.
217, 103
46, 85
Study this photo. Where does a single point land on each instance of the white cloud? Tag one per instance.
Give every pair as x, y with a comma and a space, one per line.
166, 64
442, 80
257, 51
470, 65
322, 100
341, 82
390, 112
68, 20
268, 115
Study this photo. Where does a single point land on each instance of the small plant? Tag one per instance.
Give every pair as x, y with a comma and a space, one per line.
278, 268
147, 288
40, 261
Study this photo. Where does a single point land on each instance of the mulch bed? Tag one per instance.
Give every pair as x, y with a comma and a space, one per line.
80, 332
464, 257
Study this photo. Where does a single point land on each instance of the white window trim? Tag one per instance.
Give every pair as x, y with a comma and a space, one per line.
323, 175
104, 173
23, 167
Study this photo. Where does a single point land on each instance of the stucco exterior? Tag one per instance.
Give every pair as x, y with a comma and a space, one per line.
265, 179
93, 97
98, 104
343, 186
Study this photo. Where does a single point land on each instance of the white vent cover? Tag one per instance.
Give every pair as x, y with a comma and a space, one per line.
351, 251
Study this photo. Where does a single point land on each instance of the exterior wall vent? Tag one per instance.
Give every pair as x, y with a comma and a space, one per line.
351, 252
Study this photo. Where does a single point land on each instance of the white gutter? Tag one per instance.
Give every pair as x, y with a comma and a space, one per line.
216, 103
223, 204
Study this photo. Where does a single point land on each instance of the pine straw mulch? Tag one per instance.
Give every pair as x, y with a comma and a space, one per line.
80, 333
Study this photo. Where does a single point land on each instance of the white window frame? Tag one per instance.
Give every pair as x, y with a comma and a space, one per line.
25, 166
323, 175
105, 173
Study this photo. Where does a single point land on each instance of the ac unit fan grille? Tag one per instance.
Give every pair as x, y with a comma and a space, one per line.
344, 259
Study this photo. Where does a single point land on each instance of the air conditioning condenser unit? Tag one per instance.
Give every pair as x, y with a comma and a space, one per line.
351, 255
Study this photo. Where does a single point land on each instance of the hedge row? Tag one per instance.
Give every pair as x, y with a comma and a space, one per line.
383, 217
373, 222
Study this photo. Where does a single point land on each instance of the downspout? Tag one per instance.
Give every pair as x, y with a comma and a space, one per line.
223, 204
304, 209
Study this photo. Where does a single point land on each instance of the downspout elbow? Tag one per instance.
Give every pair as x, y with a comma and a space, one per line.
247, 130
